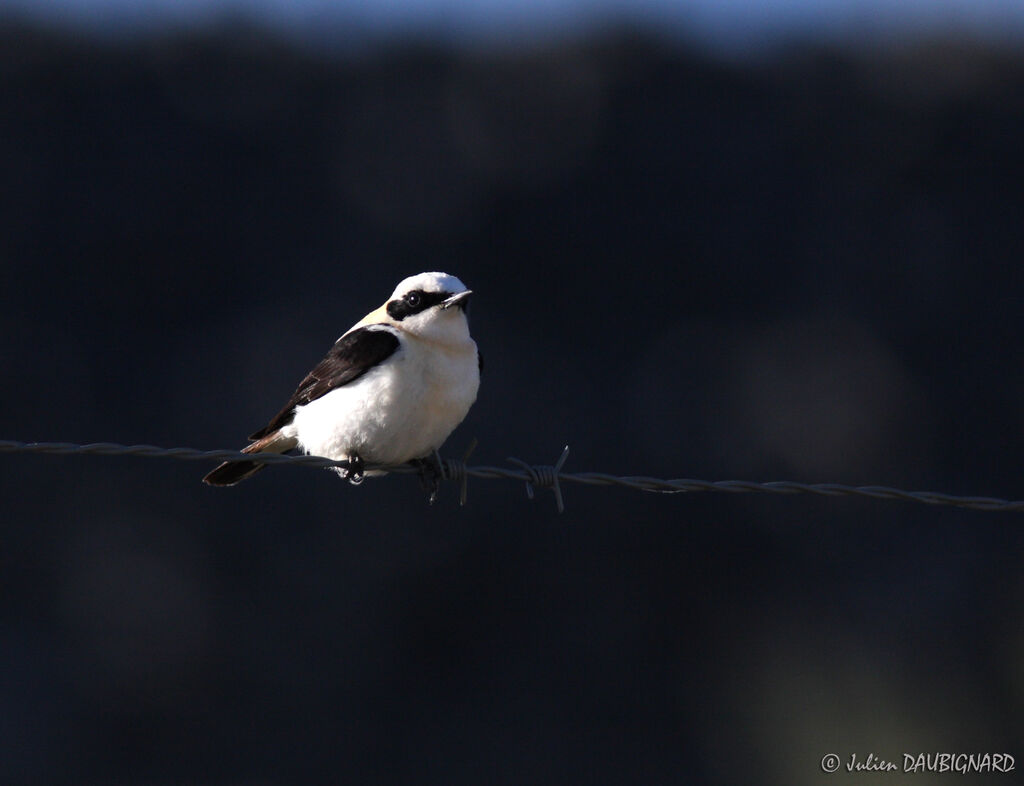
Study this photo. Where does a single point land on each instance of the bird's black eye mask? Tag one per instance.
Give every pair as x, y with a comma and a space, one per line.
414, 302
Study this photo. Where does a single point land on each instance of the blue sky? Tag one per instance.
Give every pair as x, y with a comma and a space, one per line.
724, 23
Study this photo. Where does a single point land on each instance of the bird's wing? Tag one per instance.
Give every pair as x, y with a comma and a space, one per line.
352, 355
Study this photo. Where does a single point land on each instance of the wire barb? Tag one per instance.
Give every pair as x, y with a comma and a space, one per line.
544, 476
455, 469
541, 476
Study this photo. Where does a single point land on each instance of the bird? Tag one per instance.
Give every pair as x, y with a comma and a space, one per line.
389, 391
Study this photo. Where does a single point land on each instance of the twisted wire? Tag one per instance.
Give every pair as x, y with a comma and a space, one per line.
533, 475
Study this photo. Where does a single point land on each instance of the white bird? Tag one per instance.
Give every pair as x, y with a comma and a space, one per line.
389, 391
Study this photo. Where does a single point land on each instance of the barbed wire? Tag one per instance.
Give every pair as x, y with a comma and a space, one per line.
533, 475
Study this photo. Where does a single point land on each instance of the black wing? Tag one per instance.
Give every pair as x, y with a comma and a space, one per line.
351, 356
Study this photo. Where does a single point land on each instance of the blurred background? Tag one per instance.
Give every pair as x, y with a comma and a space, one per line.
713, 240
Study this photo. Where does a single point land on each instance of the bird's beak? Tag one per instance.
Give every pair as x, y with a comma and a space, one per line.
457, 300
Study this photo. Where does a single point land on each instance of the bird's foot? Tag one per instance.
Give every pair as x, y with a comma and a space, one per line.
431, 473
353, 473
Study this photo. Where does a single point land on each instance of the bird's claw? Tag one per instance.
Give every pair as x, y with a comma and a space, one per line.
431, 474
353, 473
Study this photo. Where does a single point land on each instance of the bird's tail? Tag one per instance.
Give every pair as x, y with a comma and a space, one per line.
231, 472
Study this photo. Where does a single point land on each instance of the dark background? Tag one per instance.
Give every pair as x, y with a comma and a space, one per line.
799, 266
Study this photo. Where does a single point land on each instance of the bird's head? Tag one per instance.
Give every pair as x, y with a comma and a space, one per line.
431, 306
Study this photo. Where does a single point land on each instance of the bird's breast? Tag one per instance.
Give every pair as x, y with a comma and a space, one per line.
450, 379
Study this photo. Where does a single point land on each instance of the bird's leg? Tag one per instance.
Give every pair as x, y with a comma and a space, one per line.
353, 473
431, 474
